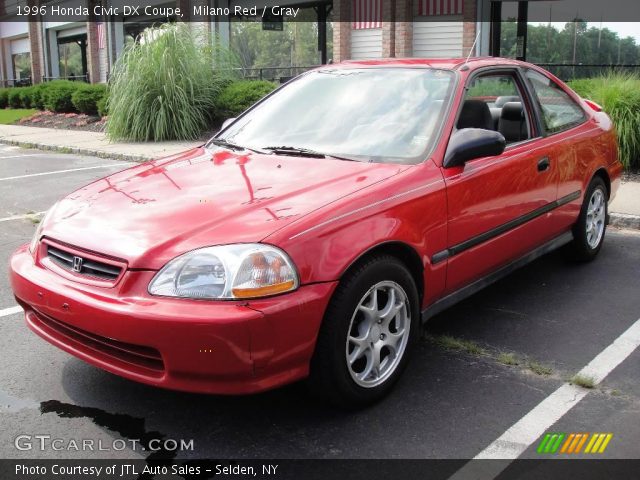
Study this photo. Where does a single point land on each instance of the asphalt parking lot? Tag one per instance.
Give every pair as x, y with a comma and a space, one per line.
482, 366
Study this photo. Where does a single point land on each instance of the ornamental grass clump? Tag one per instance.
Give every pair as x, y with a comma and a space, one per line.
619, 96
165, 86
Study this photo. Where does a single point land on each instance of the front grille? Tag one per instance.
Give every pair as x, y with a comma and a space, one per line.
140, 359
81, 265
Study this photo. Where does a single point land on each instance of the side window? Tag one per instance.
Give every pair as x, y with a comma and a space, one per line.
559, 111
494, 102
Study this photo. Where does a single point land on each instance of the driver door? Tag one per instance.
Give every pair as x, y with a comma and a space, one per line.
497, 205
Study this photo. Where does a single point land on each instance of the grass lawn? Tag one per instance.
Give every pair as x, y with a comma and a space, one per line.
9, 116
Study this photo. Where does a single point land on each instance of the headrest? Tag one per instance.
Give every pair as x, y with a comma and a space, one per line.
512, 111
475, 114
500, 101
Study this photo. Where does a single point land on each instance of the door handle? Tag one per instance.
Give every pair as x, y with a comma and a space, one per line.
544, 164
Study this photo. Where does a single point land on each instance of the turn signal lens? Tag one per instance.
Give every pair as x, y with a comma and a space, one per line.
263, 273
263, 291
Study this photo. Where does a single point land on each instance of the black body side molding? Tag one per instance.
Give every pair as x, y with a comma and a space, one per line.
483, 282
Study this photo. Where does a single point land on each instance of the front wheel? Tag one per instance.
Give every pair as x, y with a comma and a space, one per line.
589, 230
367, 335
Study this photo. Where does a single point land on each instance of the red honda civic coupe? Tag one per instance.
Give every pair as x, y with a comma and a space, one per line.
316, 232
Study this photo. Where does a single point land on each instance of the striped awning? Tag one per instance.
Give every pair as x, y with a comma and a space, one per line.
367, 14
440, 7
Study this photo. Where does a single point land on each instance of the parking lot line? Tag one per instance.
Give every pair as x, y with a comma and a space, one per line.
513, 443
5, 312
20, 217
20, 156
118, 165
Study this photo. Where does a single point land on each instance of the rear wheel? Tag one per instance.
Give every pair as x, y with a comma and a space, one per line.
367, 335
589, 230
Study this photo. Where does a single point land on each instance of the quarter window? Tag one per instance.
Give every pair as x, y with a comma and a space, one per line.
559, 110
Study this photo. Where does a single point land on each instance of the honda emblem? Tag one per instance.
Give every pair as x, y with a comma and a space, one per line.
77, 264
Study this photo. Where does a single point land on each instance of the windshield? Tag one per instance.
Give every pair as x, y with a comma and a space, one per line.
368, 114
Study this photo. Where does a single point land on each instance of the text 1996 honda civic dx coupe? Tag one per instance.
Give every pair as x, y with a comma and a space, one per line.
314, 234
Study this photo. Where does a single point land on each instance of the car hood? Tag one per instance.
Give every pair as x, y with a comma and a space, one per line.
153, 212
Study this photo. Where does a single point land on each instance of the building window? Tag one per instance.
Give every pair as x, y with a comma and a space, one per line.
72, 55
22, 66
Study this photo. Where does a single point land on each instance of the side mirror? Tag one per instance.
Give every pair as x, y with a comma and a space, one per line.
227, 122
469, 143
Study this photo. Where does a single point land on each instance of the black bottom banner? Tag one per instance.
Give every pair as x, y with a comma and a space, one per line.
580, 469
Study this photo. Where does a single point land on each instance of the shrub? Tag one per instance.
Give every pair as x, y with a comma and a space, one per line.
238, 96
57, 95
164, 87
101, 105
26, 97
86, 98
15, 100
37, 95
619, 96
4, 97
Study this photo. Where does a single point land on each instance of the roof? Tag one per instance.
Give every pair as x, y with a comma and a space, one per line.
445, 63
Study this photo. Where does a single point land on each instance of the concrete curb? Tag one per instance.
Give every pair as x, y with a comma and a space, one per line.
128, 157
624, 220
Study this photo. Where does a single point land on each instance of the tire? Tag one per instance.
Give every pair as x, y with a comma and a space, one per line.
589, 230
357, 329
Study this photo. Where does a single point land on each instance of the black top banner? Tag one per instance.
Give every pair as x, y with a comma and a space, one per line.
298, 10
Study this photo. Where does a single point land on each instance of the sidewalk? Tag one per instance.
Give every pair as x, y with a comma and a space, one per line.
88, 143
625, 209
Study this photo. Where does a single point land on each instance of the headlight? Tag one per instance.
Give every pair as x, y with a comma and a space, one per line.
38, 233
227, 272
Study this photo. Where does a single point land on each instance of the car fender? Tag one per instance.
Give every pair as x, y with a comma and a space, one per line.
410, 210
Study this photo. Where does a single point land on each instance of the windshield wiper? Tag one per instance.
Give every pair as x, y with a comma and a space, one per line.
304, 152
221, 142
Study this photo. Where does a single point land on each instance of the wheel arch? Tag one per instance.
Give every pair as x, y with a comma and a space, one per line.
604, 175
403, 252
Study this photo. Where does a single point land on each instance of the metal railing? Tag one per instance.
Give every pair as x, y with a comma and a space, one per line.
571, 71
73, 78
273, 74
16, 82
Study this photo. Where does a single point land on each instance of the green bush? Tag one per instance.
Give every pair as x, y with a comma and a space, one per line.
15, 98
86, 97
4, 97
164, 88
26, 97
57, 95
238, 96
37, 95
101, 105
619, 96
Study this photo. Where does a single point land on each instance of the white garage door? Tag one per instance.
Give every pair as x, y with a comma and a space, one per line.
441, 39
366, 43
20, 46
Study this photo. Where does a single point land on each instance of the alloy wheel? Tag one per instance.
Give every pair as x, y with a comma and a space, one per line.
595, 222
378, 334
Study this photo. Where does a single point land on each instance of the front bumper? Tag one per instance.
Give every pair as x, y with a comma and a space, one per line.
192, 345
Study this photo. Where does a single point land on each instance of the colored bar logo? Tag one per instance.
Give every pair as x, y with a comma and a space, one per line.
573, 443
